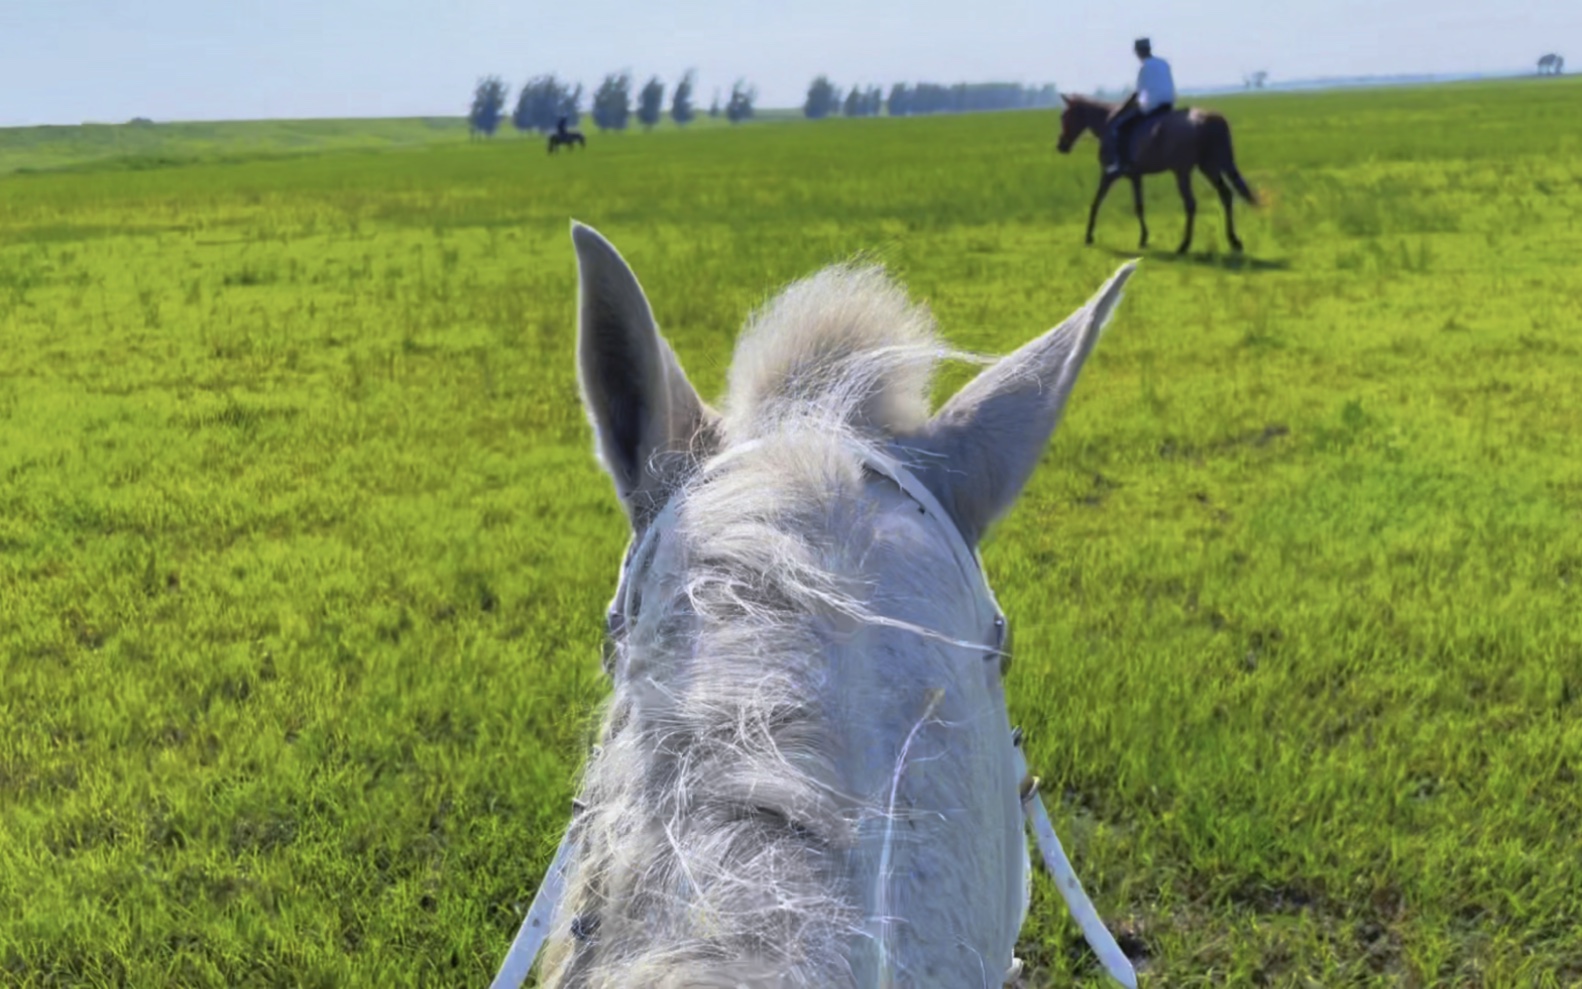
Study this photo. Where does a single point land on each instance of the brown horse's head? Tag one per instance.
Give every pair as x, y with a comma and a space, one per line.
1080, 114
1070, 129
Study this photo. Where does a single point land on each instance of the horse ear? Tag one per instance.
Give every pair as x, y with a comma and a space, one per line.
980, 449
646, 415
1066, 99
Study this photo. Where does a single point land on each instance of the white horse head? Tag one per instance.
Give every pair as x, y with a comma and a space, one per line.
806, 775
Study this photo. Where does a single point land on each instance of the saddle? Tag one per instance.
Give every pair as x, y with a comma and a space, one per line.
1141, 135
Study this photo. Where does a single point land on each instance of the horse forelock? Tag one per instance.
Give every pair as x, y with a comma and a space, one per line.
845, 345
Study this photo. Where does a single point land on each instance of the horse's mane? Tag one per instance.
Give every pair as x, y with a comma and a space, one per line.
715, 783
1090, 101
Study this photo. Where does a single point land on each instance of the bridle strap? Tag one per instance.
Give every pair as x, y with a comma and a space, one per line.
971, 563
535, 926
872, 459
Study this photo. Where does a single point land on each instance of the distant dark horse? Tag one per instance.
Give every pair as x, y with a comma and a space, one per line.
570, 137
1177, 142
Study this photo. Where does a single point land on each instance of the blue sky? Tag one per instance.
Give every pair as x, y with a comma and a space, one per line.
68, 61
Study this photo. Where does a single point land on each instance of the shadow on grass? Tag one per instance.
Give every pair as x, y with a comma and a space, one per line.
1222, 261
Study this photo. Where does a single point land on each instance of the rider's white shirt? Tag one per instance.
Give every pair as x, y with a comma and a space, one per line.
1154, 84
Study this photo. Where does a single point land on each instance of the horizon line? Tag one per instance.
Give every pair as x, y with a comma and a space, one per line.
1312, 83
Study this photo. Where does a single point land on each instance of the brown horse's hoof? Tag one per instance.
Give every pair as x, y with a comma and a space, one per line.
1235, 245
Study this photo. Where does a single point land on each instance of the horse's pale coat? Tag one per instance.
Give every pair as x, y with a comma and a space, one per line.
806, 775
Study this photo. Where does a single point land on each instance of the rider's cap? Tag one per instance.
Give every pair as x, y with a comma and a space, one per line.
1142, 44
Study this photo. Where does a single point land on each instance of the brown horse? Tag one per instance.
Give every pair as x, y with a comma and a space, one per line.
570, 138
1178, 142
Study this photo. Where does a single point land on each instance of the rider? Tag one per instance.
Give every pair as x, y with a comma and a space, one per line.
560, 126
1155, 95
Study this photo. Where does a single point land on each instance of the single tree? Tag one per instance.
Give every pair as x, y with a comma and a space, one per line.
681, 101
522, 116
541, 103
741, 105
651, 102
488, 106
853, 105
714, 108
873, 101
929, 97
900, 103
820, 99
612, 101
569, 105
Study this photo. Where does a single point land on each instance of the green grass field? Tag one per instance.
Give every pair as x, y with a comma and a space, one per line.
138, 147
304, 552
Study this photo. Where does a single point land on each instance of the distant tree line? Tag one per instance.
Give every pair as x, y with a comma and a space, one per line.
544, 100
824, 98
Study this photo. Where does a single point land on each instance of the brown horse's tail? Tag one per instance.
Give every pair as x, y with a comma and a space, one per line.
1223, 158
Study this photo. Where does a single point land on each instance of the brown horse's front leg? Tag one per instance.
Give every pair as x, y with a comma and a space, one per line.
1137, 197
1184, 183
1098, 200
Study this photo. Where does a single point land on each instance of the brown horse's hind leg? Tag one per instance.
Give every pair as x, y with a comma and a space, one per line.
1226, 197
1184, 183
1137, 198
1098, 200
